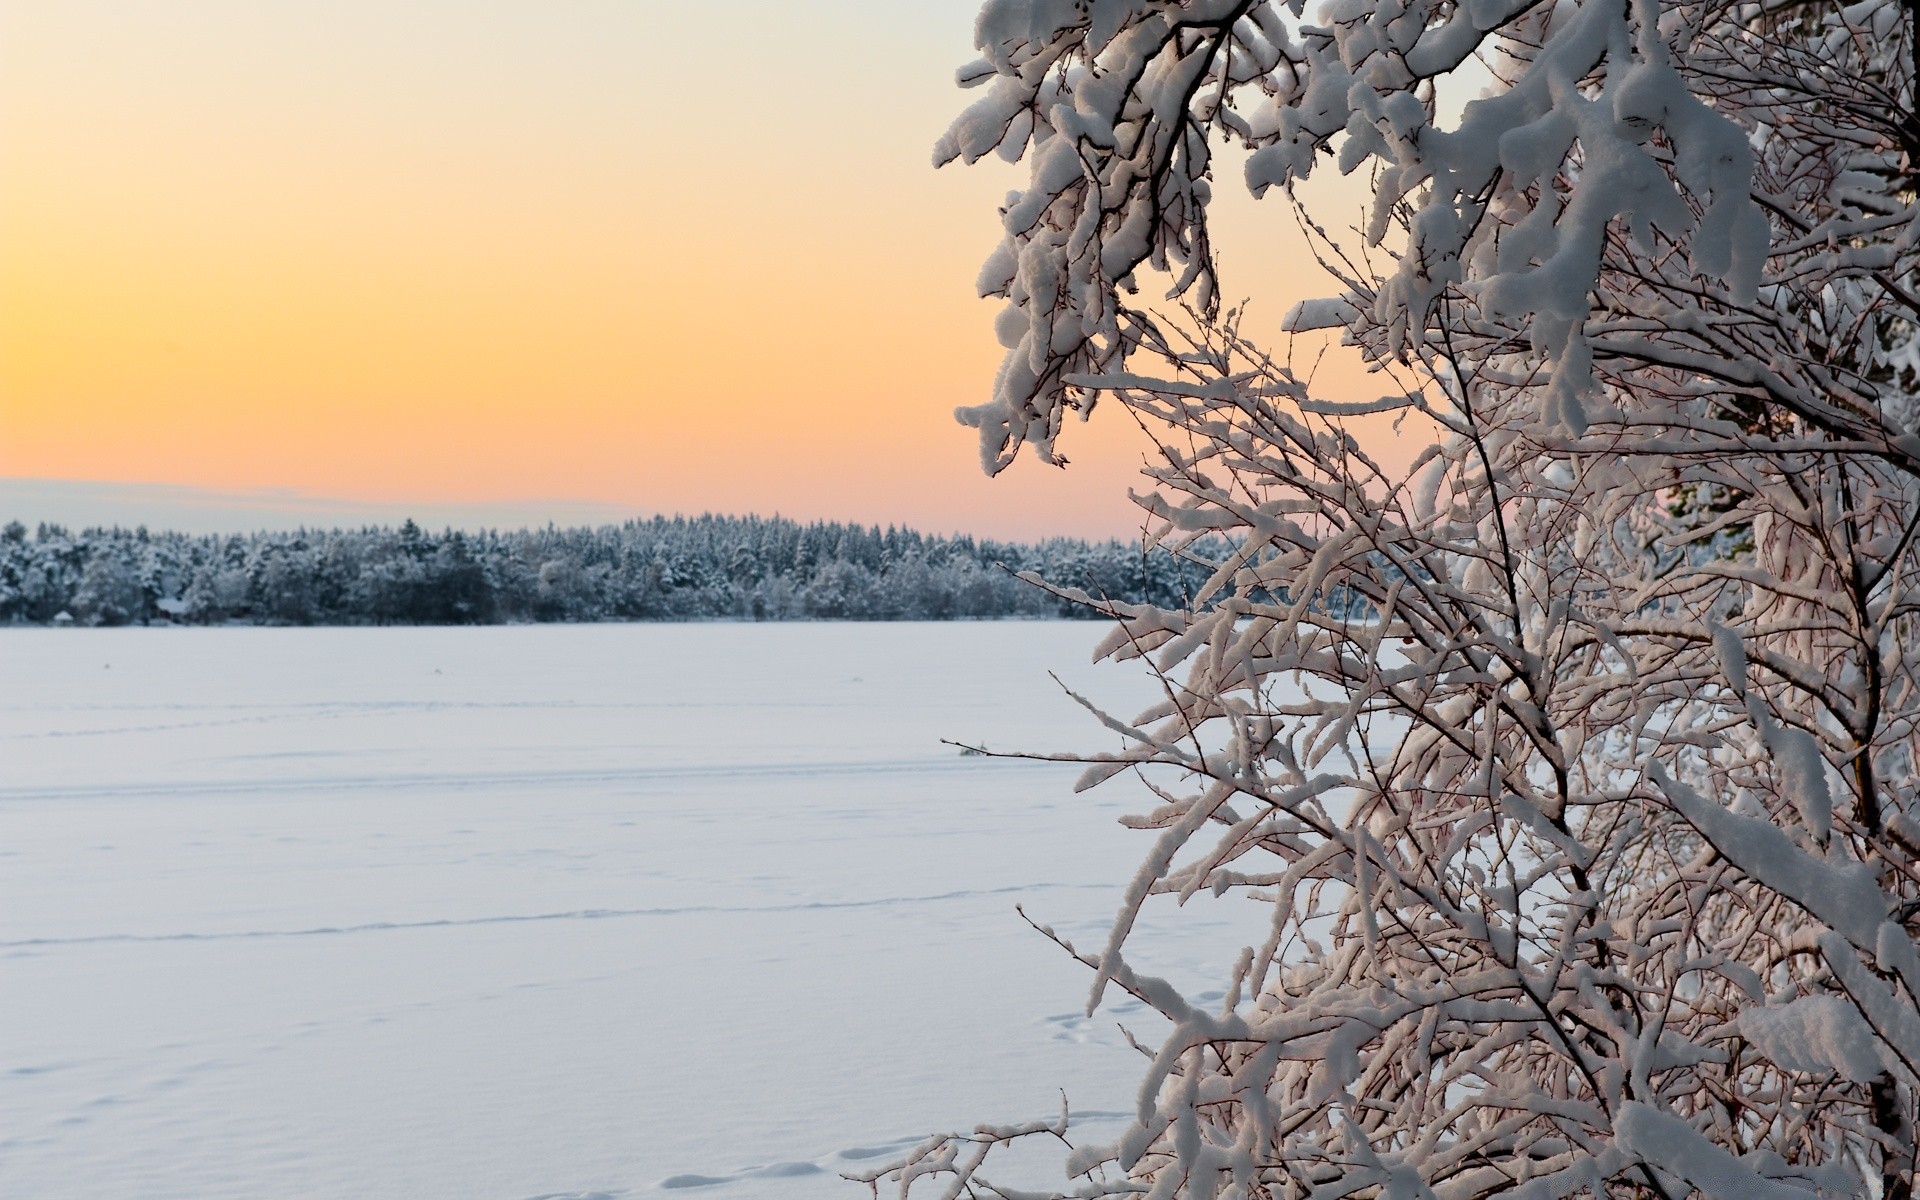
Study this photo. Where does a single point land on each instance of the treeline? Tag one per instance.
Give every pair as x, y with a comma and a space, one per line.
664, 569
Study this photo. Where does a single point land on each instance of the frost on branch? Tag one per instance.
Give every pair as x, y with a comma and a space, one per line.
1572, 772
1660, 135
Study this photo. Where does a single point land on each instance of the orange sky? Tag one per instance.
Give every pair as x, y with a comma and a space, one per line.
452, 250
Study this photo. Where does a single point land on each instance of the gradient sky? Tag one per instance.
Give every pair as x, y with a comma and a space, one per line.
652, 256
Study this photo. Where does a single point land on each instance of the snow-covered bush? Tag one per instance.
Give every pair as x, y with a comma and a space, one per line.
1575, 767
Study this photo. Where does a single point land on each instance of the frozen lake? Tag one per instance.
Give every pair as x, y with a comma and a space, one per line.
544, 911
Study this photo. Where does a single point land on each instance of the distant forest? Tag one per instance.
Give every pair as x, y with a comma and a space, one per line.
664, 569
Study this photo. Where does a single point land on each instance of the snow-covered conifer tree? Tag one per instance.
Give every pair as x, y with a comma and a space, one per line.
1576, 766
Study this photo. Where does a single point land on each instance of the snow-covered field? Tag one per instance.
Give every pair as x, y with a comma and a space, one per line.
547, 911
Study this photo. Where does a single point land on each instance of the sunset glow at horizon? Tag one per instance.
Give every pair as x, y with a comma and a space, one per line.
438, 252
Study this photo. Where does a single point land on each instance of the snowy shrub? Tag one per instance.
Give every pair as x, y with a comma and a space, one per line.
1574, 768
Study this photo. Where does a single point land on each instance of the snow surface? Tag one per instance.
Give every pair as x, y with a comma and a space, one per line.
551, 911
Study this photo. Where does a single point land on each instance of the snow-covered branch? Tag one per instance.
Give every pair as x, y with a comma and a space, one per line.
1575, 768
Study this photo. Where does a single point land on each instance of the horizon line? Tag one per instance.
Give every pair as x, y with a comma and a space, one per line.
197, 510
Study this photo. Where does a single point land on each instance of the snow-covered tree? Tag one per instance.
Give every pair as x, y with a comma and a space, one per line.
661, 569
1575, 768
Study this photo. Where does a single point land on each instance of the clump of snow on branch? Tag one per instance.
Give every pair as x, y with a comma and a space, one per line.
1573, 769
1640, 123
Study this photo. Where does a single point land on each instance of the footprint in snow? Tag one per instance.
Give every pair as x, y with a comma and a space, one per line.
785, 1170
892, 1147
